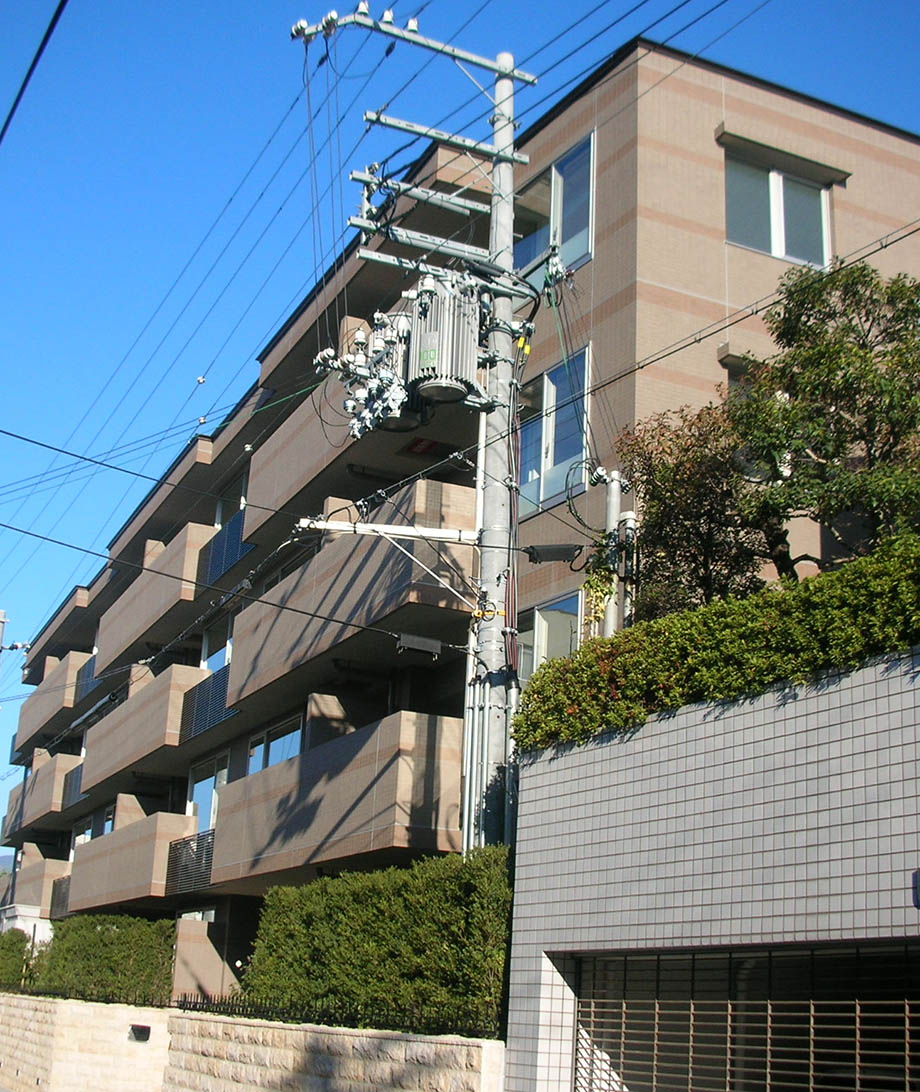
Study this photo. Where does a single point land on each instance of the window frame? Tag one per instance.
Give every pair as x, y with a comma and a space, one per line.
262, 739
539, 628
548, 435
776, 210
556, 209
220, 765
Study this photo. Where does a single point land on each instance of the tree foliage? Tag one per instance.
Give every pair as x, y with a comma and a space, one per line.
828, 429
14, 958
110, 957
729, 649
693, 542
831, 423
433, 936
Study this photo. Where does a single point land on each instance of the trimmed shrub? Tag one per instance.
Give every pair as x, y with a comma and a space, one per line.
14, 958
432, 937
109, 957
727, 650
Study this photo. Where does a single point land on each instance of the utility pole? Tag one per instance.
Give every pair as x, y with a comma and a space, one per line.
376, 383
496, 560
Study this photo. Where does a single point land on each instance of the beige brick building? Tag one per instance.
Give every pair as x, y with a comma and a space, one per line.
225, 706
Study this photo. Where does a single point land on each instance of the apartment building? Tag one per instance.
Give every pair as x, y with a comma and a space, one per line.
231, 702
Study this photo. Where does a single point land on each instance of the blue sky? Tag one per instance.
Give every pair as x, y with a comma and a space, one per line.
133, 145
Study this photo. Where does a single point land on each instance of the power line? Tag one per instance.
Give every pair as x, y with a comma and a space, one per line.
59, 11
202, 586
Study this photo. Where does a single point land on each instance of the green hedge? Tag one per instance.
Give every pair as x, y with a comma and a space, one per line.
109, 957
432, 937
728, 649
14, 957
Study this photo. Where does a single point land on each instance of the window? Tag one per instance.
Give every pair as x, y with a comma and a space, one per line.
552, 432
555, 210
769, 210
276, 744
108, 819
217, 643
546, 632
232, 499
82, 832
204, 784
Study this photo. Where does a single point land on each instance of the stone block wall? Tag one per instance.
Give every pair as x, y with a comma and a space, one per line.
74, 1046
222, 1054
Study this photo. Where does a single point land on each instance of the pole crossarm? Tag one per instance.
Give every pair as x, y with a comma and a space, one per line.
333, 22
390, 530
441, 136
461, 205
420, 240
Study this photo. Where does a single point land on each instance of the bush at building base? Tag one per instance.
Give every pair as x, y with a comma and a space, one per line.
108, 957
429, 938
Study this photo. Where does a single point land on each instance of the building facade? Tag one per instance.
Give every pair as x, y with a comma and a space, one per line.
230, 702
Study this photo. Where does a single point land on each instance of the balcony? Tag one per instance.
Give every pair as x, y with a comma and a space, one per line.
284, 465
35, 880
135, 734
38, 801
156, 605
356, 582
189, 866
86, 680
128, 864
50, 707
391, 785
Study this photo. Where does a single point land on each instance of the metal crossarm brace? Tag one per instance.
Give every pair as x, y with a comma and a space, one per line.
461, 205
420, 240
390, 530
443, 137
332, 22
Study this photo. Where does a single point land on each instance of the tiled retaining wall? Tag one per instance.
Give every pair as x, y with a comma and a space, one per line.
78, 1046
789, 818
222, 1054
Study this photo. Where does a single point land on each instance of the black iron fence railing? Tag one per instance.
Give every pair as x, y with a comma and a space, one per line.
60, 898
189, 865
205, 705
72, 792
478, 1022
86, 681
224, 550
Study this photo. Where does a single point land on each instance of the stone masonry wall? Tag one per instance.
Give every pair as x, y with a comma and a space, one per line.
222, 1054
74, 1046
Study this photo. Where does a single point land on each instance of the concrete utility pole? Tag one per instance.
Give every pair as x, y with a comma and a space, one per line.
492, 679
496, 561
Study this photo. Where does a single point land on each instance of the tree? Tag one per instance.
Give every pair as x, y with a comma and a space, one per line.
828, 428
692, 542
830, 424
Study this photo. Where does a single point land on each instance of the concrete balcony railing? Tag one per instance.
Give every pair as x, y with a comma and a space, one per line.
35, 879
147, 722
128, 864
49, 707
40, 798
151, 608
393, 784
288, 460
353, 582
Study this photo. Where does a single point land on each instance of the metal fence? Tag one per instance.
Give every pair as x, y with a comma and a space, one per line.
441, 1019
60, 898
224, 550
189, 865
205, 705
86, 681
71, 791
